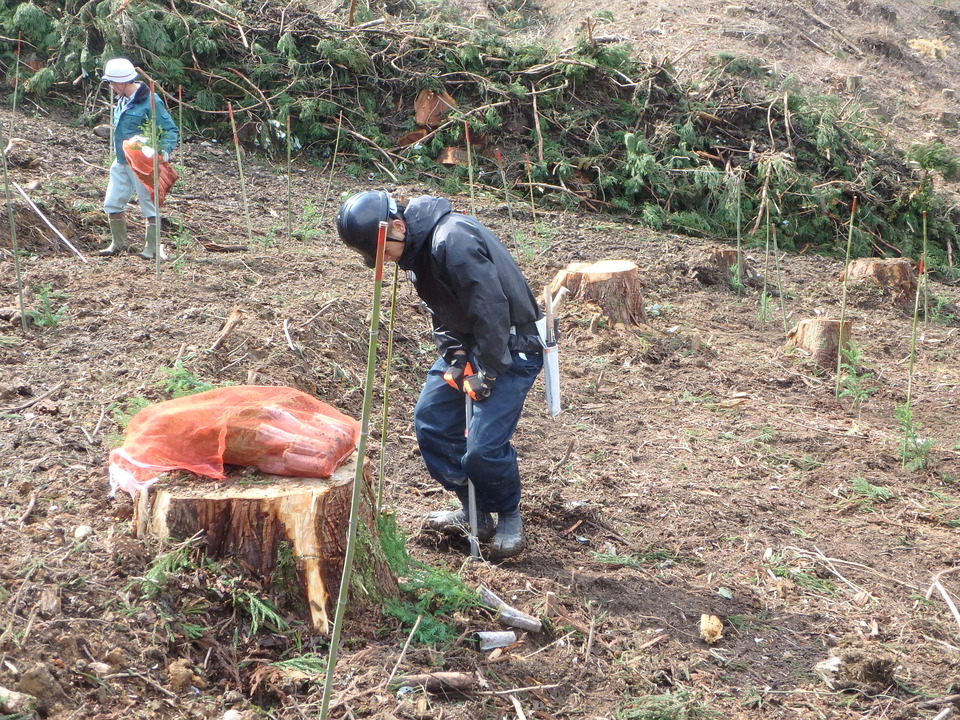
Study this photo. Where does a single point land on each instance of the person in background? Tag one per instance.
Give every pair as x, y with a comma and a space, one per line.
129, 115
485, 328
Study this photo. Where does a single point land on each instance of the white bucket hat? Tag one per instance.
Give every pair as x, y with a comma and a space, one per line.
119, 70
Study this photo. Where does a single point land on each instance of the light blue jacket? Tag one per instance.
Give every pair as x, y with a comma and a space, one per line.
128, 119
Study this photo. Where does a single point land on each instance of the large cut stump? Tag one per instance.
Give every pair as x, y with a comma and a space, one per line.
258, 520
895, 276
820, 337
613, 285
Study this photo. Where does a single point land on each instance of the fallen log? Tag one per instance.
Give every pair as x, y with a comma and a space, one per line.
264, 521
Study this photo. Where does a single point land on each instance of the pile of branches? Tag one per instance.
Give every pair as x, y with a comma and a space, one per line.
589, 126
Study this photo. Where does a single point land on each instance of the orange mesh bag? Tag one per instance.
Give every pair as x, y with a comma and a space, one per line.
139, 157
278, 429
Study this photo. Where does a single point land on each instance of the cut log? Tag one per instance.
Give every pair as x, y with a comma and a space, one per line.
259, 520
613, 285
821, 338
896, 276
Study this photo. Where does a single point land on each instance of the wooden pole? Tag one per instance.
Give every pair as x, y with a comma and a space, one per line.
843, 298
243, 187
533, 205
358, 480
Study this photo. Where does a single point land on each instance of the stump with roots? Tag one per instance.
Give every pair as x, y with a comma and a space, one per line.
251, 520
895, 276
822, 338
612, 285
734, 267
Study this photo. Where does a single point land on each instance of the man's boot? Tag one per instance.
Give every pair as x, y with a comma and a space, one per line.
118, 238
458, 521
508, 539
150, 240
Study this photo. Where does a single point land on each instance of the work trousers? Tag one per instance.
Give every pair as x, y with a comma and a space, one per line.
485, 455
122, 186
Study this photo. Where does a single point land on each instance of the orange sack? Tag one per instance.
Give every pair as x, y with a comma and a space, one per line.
280, 430
139, 157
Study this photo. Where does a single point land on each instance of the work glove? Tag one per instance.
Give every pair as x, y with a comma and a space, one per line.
165, 157
478, 386
456, 371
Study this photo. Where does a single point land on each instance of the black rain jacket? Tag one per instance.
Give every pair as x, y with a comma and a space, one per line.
471, 285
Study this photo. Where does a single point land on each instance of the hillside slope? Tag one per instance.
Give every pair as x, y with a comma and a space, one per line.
699, 465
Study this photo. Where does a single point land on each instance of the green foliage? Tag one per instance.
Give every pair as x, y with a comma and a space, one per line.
261, 611
46, 315
180, 382
914, 449
867, 494
853, 379
432, 593
675, 705
936, 157
803, 575
165, 567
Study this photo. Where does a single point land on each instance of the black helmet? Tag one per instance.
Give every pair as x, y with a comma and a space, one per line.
358, 221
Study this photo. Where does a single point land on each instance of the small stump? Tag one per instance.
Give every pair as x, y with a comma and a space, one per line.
895, 276
250, 519
613, 285
821, 338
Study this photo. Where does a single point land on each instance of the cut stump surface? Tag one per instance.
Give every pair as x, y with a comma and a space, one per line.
613, 285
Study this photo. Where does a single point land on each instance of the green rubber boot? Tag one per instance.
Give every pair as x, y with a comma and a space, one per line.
150, 240
118, 238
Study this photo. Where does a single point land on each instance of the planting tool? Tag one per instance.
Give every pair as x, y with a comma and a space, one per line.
551, 350
471, 490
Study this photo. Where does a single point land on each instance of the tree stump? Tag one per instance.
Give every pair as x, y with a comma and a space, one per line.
820, 337
613, 285
727, 260
895, 276
260, 520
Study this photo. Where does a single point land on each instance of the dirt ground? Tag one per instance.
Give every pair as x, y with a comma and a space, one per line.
699, 465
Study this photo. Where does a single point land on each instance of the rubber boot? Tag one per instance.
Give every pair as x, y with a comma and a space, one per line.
458, 521
508, 539
118, 238
150, 240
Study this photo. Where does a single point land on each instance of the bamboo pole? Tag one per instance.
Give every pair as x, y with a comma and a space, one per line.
243, 187
739, 185
183, 168
13, 234
16, 73
923, 272
46, 220
466, 135
506, 199
766, 268
843, 298
333, 164
358, 477
776, 265
533, 205
908, 416
158, 251
386, 390
289, 182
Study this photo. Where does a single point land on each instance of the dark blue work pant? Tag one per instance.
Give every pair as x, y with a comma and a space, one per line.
485, 455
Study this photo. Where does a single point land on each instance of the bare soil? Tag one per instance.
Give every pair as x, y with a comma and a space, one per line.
699, 465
